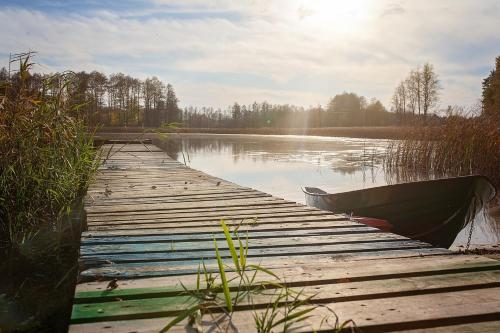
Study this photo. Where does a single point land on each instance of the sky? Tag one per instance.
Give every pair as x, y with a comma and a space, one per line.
216, 52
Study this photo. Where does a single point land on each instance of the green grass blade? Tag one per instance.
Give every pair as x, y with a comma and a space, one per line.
230, 244
225, 286
183, 315
243, 258
198, 278
293, 317
265, 270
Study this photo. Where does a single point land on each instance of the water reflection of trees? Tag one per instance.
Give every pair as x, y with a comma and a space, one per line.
368, 161
344, 157
169, 146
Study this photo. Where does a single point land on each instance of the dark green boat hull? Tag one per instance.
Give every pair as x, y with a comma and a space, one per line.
432, 211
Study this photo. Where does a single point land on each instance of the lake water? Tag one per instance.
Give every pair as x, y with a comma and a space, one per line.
281, 165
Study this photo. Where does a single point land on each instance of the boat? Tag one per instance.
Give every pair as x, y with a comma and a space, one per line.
433, 211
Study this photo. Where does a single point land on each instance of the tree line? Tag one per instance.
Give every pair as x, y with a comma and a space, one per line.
121, 100
346, 109
114, 100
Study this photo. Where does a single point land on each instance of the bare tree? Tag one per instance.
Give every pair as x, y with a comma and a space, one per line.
430, 88
399, 98
97, 83
414, 89
153, 93
420, 90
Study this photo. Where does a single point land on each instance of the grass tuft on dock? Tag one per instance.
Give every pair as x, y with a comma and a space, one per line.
217, 297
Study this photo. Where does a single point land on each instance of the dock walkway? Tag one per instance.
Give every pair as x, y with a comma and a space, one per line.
150, 221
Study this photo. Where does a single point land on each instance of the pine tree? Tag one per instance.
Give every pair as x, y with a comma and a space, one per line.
491, 92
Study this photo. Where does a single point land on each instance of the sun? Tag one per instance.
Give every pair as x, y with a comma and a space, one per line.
347, 16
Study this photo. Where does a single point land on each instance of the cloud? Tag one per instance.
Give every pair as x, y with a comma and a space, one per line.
302, 52
393, 9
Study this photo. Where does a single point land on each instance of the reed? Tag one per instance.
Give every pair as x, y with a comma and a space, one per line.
47, 160
459, 146
47, 155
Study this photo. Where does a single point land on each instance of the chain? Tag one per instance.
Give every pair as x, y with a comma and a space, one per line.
470, 235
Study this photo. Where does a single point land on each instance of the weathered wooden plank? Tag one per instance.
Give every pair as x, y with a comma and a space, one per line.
160, 206
112, 177
209, 236
214, 226
299, 272
217, 217
156, 324
338, 228
190, 222
234, 214
181, 199
473, 327
198, 245
137, 166
204, 210
196, 254
381, 315
163, 180
99, 269
197, 227
113, 197
173, 304
322, 290
155, 188
420, 311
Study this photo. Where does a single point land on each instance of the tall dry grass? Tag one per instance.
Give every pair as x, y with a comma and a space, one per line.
47, 159
47, 155
459, 146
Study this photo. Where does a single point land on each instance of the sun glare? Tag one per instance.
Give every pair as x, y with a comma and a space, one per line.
338, 15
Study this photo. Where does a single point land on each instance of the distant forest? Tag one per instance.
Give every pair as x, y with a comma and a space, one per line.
114, 100
123, 101
347, 109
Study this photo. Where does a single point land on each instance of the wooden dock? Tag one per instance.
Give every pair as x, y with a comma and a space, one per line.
150, 221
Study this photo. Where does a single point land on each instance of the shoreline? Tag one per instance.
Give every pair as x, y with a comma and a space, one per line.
389, 132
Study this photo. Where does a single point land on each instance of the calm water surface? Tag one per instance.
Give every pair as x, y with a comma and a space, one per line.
281, 165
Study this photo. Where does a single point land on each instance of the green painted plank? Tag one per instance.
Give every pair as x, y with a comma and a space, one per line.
329, 293
295, 282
